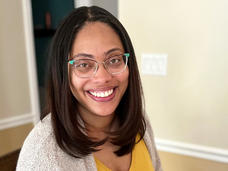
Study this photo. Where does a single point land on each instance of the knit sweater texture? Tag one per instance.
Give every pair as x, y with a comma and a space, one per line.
40, 152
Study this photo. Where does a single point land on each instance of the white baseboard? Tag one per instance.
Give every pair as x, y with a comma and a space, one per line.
16, 121
204, 152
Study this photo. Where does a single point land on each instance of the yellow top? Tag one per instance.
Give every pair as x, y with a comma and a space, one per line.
140, 159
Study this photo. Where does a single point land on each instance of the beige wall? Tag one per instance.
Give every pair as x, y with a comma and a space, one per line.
190, 103
14, 86
14, 89
175, 162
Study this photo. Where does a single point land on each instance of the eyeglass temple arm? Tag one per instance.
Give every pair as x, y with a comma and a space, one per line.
71, 61
126, 54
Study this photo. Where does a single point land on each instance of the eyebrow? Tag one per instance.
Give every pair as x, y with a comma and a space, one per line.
112, 50
91, 56
83, 55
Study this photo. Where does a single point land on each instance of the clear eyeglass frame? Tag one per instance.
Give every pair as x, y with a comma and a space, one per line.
126, 55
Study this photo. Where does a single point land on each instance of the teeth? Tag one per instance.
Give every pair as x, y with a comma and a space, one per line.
102, 93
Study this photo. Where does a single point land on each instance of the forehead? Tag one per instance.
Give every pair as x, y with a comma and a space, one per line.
96, 38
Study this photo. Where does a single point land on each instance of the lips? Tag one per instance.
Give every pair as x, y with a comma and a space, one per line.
102, 95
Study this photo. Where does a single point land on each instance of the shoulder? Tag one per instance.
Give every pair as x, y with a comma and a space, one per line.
149, 129
151, 146
41, 152
40, 135
38, 147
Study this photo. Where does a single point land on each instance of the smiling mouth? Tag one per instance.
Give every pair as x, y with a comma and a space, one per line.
102, 95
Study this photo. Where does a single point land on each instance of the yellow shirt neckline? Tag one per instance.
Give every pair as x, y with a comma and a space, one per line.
140, 159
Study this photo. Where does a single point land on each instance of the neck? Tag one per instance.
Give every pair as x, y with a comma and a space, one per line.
98, 126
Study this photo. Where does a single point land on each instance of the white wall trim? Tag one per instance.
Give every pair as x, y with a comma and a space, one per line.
199, 151
16, 121
79, 3
31, 64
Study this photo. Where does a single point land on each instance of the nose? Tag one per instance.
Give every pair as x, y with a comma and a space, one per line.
102, 75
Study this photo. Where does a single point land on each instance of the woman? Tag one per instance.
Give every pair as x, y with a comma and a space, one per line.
95, 118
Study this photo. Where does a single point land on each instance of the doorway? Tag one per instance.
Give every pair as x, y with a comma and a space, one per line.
47, 14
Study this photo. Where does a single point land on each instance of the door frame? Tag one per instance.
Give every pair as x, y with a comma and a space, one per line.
31, 60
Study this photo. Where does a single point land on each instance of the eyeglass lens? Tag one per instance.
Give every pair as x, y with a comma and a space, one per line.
88, 67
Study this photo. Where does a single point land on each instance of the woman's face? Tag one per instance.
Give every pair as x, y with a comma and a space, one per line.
98, 95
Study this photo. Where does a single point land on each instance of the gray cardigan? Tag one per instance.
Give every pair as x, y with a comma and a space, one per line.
40, 152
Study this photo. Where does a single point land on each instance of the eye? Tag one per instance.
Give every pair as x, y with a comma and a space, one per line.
114, 60
83, 65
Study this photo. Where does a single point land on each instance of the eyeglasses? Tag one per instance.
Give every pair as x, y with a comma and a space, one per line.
86, 68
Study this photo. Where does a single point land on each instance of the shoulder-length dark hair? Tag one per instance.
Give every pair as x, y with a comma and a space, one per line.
69, 132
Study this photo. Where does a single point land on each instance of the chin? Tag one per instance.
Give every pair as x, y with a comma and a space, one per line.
105, 109
103, 113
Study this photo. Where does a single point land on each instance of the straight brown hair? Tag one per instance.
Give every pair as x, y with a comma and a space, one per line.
61, 103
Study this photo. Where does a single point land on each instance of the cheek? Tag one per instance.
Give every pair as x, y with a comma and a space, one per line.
124, 78
76, 86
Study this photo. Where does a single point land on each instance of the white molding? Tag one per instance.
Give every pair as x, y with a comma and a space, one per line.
79, 3
31, 64
199, 151
16, 121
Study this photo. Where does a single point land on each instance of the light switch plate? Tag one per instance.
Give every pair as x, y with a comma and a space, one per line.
154, 64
